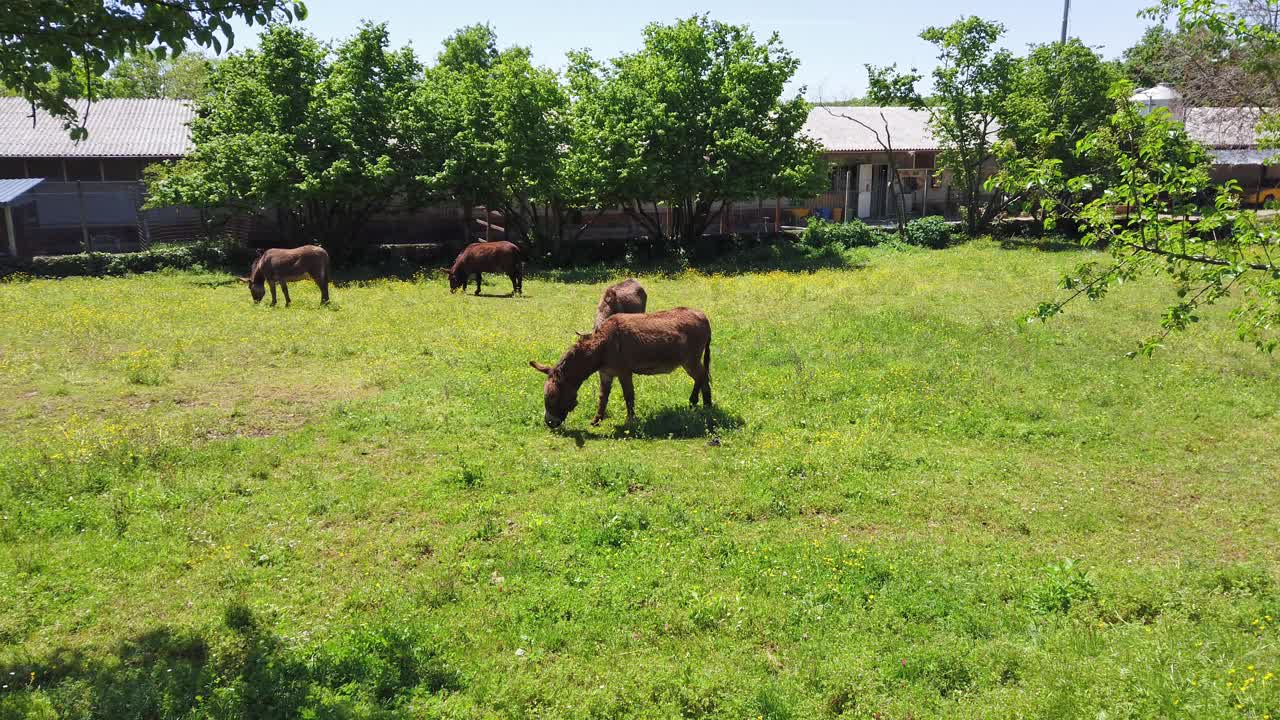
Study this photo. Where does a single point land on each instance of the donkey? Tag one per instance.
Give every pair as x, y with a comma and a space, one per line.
281, 266
625, 297
498, 256
626, 345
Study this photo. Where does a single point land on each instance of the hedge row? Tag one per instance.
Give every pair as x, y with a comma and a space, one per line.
193, 256
931, 232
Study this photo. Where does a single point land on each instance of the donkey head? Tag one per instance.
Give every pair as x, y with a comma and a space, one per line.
456, 280
558, 400
256, 289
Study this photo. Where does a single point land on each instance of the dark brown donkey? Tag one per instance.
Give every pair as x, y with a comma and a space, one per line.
625, 297
499, 256
627, 345
282, 266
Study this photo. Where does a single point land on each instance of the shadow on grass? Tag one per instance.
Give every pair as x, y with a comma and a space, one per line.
1043, 244
215, 283
682, 422
252, 673
765, 258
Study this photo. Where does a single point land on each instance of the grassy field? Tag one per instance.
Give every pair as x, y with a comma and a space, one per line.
905, 504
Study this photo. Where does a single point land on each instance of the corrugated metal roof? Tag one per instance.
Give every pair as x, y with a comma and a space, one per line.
1242, 157
117, 128
909, 129
1223, 127
11, 190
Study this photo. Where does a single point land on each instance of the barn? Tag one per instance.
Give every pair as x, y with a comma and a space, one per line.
1231, 136
63, 196
857, 140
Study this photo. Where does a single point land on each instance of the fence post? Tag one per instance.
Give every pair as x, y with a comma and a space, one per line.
13, 238
144, 227
84, 223
848, 181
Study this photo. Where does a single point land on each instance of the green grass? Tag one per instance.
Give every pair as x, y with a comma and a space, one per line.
906, 504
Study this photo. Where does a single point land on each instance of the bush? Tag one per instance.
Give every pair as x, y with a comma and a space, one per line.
930, 232
822, 234
161, 257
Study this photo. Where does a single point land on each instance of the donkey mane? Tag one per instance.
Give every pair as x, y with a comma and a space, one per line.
581, 360
255, 270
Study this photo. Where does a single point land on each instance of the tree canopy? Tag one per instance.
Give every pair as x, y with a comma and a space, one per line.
970, 85
1058, 95
39, 38
299, 129
696, 118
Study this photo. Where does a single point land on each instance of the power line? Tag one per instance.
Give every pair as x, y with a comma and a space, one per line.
1066, 13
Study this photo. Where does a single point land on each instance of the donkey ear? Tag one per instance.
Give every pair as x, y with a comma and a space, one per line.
539, 367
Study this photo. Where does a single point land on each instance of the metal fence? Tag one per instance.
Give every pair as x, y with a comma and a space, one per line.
71, 217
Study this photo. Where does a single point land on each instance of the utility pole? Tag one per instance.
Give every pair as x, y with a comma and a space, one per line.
1066, 13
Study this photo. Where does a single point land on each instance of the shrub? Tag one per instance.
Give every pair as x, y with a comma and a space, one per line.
930, 232
1062, 586
161, 257
822, 234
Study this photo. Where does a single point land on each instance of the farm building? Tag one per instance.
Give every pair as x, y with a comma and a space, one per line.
60, 196
1230, 134
65, 196
856, 140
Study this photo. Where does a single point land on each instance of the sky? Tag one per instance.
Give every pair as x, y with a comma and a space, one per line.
832, 41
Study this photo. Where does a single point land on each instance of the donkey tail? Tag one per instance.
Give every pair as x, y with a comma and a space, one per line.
706, 359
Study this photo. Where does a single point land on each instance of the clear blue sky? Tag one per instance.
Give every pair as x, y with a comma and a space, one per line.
832, 40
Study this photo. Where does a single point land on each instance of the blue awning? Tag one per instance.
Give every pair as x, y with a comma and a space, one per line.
11, 191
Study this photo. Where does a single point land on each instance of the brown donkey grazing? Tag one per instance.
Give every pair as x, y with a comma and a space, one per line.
499, 256
284, 265
627, 345
625, 297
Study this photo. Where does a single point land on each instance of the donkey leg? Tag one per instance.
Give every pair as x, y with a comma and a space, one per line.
695, 372
273, 292
285, 287
477, 283
515, 281
606, 385
323, 282
629, 395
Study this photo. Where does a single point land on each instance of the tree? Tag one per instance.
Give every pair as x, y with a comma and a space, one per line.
970, 84
41, 37
1209, 250
1153, 59
185, 77
318, 138
454, 127
697, 119
1058, 95
532, 121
